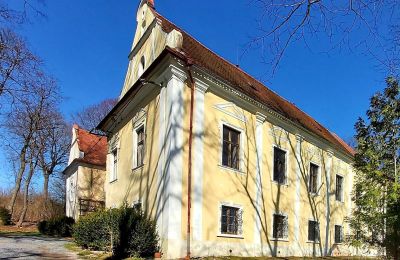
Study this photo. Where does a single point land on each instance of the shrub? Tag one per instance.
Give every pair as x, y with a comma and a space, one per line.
97, 230
5, 216
125, 230
60, 226
138, 235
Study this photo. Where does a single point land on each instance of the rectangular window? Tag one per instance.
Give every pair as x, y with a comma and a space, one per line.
280, 227
230, 148
114, 169
230, 220
338, 234
279, 165
140, 146
339, 188
313, 178
313, 231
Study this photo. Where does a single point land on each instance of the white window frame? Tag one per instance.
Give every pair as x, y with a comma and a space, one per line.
136, 126
319, 231
240, 228
284, 214
318, 178
114, 168
287, 165
241, 147
343, 182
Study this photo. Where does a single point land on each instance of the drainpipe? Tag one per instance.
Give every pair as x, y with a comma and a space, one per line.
190, 159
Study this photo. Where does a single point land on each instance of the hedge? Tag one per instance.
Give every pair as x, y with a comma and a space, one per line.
5, 216
60, 226
126, 231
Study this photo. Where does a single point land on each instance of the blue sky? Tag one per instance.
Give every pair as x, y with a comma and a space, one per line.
85, 45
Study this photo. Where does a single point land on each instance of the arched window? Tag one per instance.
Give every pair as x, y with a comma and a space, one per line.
142, 65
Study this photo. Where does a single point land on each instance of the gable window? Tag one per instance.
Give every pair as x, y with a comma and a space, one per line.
313, 178
279, 165
313, 231
139, 149
339, 188
338, 234
230, 147
142, 65
280, 226
114, 169
231, 220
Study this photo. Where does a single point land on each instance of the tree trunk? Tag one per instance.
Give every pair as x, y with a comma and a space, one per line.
26, 193
46, 177
19, 179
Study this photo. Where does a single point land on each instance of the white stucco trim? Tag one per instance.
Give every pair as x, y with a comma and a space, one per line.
260, 119
318, 177
174, 150
284, 214
299, 140
327, 195
162, 229
343, 187
198, 159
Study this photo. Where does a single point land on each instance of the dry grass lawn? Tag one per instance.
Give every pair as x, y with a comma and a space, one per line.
26, 229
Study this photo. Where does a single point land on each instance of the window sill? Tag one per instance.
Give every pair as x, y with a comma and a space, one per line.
137, 167
338, 243
339, 201
313, 194
230, 236
280, 239
312, 242
285, 184
230, 169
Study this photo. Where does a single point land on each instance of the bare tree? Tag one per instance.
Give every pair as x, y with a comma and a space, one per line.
55, 144
17, 64
25, 122
356, 24
16, 16
90, 117
32, 161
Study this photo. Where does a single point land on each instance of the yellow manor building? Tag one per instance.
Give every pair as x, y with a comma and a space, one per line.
225, 165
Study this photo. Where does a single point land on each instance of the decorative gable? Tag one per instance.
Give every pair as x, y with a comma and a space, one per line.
232, 110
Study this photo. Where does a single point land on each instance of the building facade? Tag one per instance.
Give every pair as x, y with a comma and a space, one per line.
85, 173
262, 177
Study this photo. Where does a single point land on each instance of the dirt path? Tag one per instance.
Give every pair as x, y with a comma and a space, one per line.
33, 247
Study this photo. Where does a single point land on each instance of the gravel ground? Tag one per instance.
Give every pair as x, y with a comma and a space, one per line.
33, 247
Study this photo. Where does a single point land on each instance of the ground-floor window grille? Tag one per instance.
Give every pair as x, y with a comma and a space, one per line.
231, 220
338, 234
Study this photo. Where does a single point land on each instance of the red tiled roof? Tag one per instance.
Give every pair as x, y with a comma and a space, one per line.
205, 58
94, 147
344, 144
